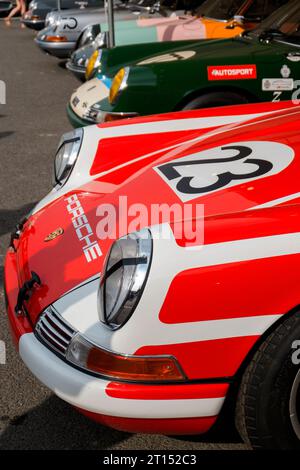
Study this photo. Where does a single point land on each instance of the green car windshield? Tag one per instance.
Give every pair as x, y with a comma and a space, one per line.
251, 10
283, 23
219, 9
227, 9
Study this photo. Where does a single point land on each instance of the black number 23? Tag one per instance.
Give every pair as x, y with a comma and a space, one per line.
185, 186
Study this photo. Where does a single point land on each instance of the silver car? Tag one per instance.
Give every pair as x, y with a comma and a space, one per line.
35, 16
64, 30
5, 6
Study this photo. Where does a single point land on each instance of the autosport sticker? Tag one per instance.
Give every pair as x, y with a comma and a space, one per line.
232, 72
223, 167
277, 84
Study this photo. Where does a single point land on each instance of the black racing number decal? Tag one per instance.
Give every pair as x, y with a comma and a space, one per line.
185, 185
72, 23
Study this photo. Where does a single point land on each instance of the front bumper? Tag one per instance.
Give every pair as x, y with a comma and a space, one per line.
37, 25
101, 396
75, 120
184, 408
62, 50
78, 70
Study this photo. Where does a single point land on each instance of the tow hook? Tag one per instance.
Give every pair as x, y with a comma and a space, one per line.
24, 293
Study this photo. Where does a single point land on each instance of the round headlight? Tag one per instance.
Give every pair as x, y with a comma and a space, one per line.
118, 84
88, 35
93, 63
50, 20
66, 156
100, 40
124, 277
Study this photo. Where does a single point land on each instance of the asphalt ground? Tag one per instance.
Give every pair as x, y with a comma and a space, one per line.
31, 123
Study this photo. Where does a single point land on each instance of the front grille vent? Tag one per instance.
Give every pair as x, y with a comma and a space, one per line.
53, 330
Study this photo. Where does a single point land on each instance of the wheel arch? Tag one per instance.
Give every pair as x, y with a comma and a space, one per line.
230, 401
216, 89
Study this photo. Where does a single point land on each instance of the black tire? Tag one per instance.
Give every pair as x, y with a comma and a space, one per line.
218, 98
265, 394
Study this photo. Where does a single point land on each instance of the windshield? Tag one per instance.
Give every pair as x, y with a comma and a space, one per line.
66, 4
285, 21
141, 3
219, 9
167, 4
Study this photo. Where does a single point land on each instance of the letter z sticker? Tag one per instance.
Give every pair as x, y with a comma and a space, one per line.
223, 167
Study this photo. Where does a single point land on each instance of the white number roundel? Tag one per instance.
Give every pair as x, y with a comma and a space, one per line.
222, 167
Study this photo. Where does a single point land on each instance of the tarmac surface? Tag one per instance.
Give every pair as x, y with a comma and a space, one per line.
31, 123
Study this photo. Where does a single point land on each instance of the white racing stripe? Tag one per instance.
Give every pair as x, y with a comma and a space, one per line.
93, 135
176, 149
177, 125
276, 202
87, 392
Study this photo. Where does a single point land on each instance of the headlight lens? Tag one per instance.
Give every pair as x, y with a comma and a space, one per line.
89, 35
124, 277
93, 63
50, 20
100, 40
66, 156
118, 84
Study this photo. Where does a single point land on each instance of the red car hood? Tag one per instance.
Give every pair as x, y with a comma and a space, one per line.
129, 171
61, 262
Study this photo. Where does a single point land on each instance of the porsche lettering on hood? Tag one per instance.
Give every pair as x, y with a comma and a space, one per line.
84, 232
65, 261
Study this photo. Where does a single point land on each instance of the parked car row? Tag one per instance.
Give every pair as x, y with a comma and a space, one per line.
66, 32
157, 283
259, 65
156, 52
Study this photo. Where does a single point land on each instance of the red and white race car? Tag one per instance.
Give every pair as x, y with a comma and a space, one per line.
161, 276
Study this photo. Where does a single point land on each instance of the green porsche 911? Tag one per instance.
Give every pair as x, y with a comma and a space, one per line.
261, 65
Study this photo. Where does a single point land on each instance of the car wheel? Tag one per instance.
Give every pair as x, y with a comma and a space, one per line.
219, 98
268, 405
